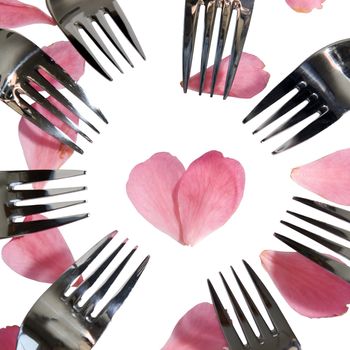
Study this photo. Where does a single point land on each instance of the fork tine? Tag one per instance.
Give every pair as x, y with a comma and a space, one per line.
338, 248
306, 112
232, 338
226, 14
321, 123
258, 319
278, 320
65, 79
247, 329
210, 14
21, 228
102, 22
192, 8
337, 212
41, 208
338, 231
336, 267
283, 88
114, 304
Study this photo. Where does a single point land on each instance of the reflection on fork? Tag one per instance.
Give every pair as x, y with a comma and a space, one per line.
281, 337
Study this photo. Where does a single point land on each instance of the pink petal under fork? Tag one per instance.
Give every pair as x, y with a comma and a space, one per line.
308, 288
14, 14
8, 337
305, 5
329, 177
249, 81
198, 329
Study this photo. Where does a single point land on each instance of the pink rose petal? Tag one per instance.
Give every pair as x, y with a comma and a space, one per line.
8, 337
14, 14
305, 5
198, 329
249, 81
328, 177
309, 289
208, 194
187, 205
41, 256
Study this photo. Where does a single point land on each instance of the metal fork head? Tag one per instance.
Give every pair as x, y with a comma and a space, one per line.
325, 261
21, 66
322, 82
74, 15
244, 10
12, 198
56, 321
279, 338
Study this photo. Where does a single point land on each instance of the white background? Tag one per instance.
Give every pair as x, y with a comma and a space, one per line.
149, 113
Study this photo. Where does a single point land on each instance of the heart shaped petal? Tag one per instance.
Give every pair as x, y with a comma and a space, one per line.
207, 195
8, 337
41, 256
309, 289
305, 5
150, 188
14, 14
250, 78
329, 177
198, 329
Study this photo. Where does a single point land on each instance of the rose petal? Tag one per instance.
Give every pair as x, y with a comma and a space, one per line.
249, 81
198, 329
8, 337
150, 189
328, 177
208, 194
305, 5
309, 289
14, 14
41, 256
41, 150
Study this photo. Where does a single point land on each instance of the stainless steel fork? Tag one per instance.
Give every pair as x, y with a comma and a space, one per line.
244, 10
75, 15
13, 201
21, 66
57, 321
323, 82
281, 337
323, 260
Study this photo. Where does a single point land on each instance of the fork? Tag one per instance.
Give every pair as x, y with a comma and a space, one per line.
325, 261
244, 10
11, 199
74, 15
281, 337
22, 64
58, 321
323, 82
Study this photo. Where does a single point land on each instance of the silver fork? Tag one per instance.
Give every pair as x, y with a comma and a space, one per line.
323, 82
244, 10
21, 66
281, 337
75, 15
323, 260
13, 200
57, 321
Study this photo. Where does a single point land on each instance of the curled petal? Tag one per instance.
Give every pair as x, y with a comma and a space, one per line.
150, 188
328, 177
208, 194
198, 329
250, 78
8, 337
305, 5
41, 256
309, 289
41, 150
14, 14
